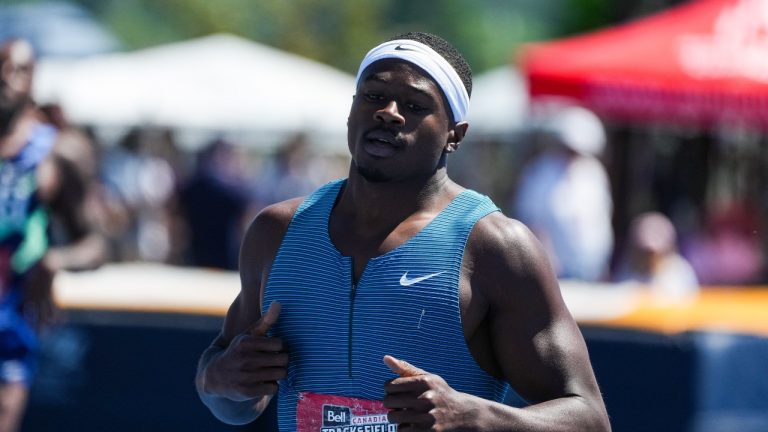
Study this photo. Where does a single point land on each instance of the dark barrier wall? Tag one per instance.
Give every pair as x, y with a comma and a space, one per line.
104, 377
135, 372
647, 379
689, 382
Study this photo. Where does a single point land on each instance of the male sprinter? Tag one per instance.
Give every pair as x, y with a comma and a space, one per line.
396, 299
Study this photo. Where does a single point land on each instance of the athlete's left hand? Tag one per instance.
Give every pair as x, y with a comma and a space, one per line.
421, 401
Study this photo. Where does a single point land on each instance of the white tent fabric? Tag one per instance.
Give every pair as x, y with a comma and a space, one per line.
219, 83
499, 103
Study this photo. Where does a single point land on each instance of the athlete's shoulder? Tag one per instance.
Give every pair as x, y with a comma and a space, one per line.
507, 245
498, 230
274, 219
506, 262
262, 240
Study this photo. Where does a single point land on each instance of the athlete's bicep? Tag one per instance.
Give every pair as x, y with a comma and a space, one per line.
535, 340
258, 250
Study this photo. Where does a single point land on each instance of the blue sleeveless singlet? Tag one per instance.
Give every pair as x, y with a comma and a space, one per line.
406, 304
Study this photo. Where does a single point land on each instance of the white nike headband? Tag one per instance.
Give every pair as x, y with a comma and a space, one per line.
433, 63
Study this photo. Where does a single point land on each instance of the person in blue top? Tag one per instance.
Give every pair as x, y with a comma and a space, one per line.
37, 187
396, 299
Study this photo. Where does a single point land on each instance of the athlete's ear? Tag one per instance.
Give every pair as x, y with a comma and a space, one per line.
455, 136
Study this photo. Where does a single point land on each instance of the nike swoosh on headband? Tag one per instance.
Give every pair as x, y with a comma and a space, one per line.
405, 281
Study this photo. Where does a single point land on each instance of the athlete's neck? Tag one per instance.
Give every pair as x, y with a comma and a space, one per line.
381, 204
370, 219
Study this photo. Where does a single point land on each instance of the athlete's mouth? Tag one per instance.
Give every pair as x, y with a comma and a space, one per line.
380, 140
383, 137
381, 143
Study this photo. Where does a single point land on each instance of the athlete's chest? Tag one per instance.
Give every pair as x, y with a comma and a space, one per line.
363, 244
346, 326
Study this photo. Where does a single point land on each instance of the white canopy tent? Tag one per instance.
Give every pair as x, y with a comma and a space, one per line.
499, 103
219, 84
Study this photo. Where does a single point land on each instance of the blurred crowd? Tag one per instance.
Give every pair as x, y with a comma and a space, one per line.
157, 203
154, 201
609, 205
143, 197
669, 227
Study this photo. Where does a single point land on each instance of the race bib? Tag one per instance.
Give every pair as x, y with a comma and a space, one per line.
325, 413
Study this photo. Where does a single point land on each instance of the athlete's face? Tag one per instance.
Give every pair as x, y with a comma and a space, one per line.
399, 125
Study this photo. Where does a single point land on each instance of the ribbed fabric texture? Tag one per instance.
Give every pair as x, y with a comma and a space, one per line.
337, 340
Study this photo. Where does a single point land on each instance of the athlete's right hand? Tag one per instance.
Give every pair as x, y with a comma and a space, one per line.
251, 365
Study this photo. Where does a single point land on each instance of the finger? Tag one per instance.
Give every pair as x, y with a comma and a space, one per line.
402, 367
258, 361
247, 344
399, 401
267, 320
271, 374
257, 389
415, 385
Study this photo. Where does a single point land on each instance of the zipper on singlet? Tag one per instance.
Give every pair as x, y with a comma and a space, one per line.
352, 292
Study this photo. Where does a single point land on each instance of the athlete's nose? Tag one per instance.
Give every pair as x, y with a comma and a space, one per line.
389, 114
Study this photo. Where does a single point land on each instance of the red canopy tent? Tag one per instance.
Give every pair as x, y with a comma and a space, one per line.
700, 63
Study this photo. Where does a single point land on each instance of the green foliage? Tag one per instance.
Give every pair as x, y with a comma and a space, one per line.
332, 31
339, 32
588, 14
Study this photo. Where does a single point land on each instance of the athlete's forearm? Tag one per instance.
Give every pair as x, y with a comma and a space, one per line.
225, 409
572, 413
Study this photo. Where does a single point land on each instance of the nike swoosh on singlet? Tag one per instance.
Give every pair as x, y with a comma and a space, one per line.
404, 281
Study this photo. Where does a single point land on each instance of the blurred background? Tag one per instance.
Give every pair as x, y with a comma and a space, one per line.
630, 136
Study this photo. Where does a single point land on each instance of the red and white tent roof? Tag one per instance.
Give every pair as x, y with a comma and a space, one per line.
702, 63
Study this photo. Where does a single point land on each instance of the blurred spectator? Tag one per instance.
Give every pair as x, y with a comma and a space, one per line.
727, 251
78, 154
292, 172
564, 194
216, 207
38, 185
145, 183
652, 259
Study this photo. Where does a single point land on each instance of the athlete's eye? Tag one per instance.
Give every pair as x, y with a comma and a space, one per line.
373, 96
416, 107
